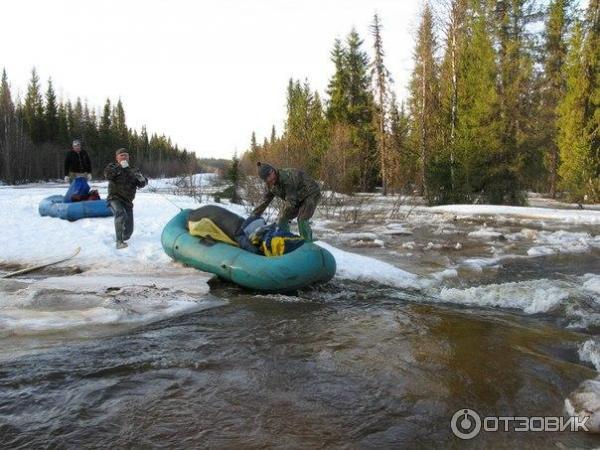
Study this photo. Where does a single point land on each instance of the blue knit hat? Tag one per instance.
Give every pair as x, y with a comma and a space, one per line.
264, 170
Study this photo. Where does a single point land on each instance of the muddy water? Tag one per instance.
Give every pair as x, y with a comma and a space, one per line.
351, 364
346, 365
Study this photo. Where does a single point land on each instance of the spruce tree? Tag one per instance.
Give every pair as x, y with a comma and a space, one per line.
70, 118
78, 118
579, 111
337, 109
477, 140
105, 137
515, 87
234, 176
33, 110
7, 130
62, 125
119, 126
253, 147
401, 173
90, 137
555, 53
318, 134
360, 113
51, 114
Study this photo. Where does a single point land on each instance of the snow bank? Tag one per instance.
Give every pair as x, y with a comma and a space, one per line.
590, 217
357, 267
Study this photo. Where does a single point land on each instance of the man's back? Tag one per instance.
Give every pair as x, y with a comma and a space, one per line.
294, 184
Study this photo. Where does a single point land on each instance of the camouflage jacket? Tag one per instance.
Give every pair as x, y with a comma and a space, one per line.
122, 183
292, 186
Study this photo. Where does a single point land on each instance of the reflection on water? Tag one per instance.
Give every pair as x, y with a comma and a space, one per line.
348, 364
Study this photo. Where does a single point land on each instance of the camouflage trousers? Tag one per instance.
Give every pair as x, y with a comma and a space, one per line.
123, 219
304, 211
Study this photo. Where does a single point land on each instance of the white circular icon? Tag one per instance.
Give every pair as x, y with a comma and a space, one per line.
465, 424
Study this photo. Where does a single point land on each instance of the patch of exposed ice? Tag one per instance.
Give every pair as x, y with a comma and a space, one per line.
478, 264
448, 273
592, 283
485, 233
358, 236
396, 229
563, 242
101, 299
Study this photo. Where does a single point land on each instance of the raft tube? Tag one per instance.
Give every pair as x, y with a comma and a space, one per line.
55, 206
305, 266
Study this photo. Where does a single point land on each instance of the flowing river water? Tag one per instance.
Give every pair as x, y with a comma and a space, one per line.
350, 364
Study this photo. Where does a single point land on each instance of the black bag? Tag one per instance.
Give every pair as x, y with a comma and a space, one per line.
227, 221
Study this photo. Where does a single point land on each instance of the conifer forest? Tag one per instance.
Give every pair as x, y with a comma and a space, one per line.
504, 98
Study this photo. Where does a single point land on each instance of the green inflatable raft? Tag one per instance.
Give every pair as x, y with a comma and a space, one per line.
305, 266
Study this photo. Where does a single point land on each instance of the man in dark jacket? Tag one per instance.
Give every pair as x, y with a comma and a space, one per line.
77, 163
123, 182
300, 193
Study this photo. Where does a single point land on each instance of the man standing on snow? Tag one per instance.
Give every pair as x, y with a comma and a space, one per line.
123, 182
77, 163
300, 193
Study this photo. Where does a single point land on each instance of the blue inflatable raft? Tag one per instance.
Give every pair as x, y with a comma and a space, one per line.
55, 206
305, 266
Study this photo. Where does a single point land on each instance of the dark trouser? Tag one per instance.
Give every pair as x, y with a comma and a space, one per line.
123, 219
304, 212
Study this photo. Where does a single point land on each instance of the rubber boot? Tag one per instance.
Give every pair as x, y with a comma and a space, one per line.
305, 230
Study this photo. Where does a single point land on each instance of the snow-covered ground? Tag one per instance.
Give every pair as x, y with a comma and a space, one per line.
147, 283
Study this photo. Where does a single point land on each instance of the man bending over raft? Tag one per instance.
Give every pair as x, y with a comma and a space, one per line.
123, 181
300, 193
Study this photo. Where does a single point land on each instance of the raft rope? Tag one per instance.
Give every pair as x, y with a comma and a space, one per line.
170, 201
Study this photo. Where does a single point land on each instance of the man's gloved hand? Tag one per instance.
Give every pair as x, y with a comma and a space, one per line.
66, 178
89, 177
140, 177
124, 164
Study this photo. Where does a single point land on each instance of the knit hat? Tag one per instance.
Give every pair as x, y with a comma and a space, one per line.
121, 151
264, 170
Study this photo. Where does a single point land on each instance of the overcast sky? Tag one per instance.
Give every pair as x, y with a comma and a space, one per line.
205, 73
